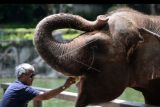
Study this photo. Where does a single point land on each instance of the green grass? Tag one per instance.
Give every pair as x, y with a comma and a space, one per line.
132, 95
129, 94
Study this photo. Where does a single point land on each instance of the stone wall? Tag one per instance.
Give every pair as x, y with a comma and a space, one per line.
13, 53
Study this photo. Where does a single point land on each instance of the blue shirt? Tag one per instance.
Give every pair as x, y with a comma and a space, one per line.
18, 95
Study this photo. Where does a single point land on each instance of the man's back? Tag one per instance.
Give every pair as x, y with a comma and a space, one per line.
18, 95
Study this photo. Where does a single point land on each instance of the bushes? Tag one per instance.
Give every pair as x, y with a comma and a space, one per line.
27, 34
16, 34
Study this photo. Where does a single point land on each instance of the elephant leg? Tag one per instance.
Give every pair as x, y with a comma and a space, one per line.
151, 92
93, 92
152, 95
81, 101
82, 97
152, 98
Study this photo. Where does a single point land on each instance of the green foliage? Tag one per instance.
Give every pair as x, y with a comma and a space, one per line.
70, 33
16, 34
70, 36
28, 33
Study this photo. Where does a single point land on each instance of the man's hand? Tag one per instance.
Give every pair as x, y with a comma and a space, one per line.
70, 81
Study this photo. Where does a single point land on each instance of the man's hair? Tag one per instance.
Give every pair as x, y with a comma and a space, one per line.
23, 69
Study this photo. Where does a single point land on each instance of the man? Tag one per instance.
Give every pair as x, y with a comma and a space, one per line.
20, 92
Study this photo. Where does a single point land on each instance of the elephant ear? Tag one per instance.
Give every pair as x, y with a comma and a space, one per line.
147, 34
144, 36
131, 41
148, 53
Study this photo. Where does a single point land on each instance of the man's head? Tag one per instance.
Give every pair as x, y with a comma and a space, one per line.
25, 73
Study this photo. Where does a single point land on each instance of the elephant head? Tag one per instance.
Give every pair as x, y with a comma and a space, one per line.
102, 55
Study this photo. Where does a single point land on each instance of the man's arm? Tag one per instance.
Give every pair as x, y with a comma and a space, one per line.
52, 93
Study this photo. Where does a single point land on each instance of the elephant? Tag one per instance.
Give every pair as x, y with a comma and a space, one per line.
118, 50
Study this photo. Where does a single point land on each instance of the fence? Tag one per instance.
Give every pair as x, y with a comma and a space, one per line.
70, 96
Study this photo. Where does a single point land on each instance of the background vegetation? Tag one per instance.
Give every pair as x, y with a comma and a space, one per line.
29, 14
17, 21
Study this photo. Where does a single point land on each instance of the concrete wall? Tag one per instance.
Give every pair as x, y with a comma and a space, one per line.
18, 52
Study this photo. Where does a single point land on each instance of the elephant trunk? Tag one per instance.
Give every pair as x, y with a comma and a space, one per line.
57, 55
